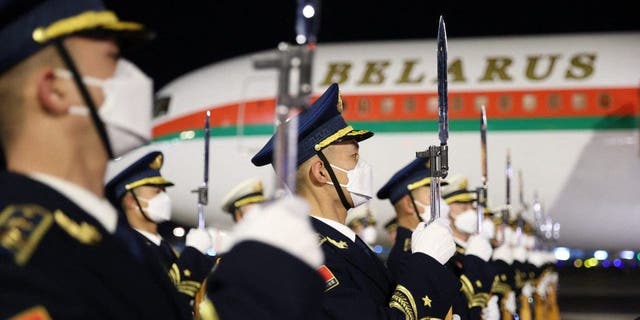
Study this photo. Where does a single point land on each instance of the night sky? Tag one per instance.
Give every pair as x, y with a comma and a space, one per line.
192, 34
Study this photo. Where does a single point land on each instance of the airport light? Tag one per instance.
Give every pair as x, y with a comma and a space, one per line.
590, 263
563, 254
606, 264
617, 263
178, 232
626, 254
308, 11
600, 255
377, 249
577, 263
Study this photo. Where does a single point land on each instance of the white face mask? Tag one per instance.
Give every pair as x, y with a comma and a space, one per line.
126, 110
426, 212
488, 229
369, 235
467, 221
360, 184
158, 208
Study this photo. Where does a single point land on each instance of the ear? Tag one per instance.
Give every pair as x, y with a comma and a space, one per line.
318, 173
51, 92
406, 205
128, 202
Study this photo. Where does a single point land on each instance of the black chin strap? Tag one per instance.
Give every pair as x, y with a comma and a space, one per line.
413, 203
334, 180
144, 214
93, 110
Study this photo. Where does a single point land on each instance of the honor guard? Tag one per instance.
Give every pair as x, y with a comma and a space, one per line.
63, 89
139, 192
243, 197
391, 227
68, 103
473, 251
332, 178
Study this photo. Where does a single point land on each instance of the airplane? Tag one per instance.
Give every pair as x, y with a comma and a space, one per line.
565, 106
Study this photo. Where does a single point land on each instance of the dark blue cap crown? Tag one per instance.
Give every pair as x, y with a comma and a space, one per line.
318, 127
144, 172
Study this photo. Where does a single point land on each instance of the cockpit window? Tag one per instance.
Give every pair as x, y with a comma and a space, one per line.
161, 106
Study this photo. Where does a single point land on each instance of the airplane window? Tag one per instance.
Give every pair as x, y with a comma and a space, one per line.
529, 102
161, 106
578, 101
505, 102
432, 104
604, 100
554, 102
457, 103
387, 105
364, 106
409, 104
480, 101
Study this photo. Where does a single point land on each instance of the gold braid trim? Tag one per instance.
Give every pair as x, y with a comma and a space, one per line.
500, 287
473, 299
403, 300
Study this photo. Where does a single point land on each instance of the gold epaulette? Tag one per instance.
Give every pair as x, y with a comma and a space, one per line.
21, 229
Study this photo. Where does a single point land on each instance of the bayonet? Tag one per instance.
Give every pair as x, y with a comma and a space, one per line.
292, 63
438, 155
482, 190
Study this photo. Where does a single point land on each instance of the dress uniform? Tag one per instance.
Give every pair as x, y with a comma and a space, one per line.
391, 227
474, 271
186, 270
243, 197
64, 254
401, 185
59, 254
357, 284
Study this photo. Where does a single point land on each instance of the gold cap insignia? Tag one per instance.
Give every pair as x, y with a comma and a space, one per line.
157, 163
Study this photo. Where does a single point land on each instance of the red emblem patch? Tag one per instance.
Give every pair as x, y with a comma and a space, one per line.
329, 279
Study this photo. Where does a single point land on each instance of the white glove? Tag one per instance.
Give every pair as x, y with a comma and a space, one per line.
537, 258
553, 278
434, 240
199, 239
503, 253
488, 229
520, 254
284, 224
220, 241
527, 290
479, 246
492, 310
541, 288
510, 236
510, 302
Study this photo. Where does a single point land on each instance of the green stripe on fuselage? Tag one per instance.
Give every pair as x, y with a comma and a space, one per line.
536, 124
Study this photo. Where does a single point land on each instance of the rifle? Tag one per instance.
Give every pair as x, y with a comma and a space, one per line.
203, 189
291, 62
439, 155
